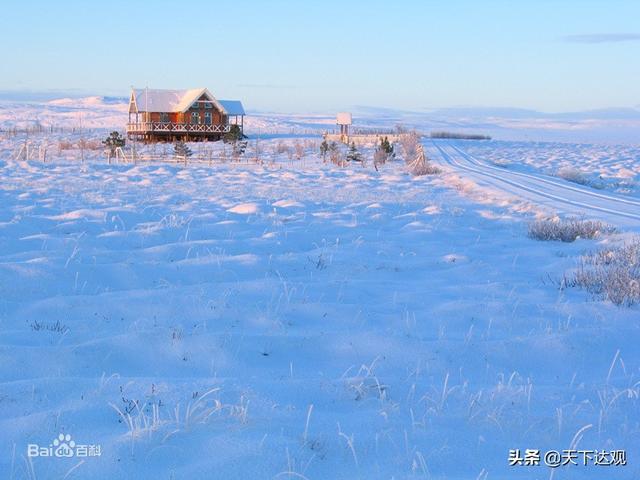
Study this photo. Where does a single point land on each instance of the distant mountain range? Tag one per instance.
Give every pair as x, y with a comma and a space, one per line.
619, 113
29, 96
606, 125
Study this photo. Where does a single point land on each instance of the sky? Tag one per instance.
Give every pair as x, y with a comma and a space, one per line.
299, 56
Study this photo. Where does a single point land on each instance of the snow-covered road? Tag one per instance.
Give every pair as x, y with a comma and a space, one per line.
550, 192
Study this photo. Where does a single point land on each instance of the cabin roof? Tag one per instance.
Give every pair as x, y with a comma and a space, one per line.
232, 107
157, 100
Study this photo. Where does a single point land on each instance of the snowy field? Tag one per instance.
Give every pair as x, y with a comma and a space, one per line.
294, 319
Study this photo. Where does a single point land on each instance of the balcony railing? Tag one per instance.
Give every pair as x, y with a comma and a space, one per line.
163, 127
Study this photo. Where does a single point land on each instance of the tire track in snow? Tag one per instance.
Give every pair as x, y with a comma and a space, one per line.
545, 179
540, 190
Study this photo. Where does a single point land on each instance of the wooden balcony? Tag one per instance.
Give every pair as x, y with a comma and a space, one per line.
143, 128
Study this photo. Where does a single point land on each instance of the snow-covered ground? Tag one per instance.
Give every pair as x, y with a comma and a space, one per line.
294, 319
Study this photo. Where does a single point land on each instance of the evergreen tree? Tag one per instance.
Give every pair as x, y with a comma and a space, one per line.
238, 149
236, 138
182, 150
233, 135
113, 142
387, 148
324, 149
354, 155
383, 153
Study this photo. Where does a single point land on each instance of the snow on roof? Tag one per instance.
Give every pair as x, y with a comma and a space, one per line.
232, 107
153, 100
156, 100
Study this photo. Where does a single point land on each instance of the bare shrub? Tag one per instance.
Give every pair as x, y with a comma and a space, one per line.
65, 145
281, 147
90, 144
299, 150
379, 157
56, 326
567, 230
424, 168
612, 274
409, 143
335, 155
459, 136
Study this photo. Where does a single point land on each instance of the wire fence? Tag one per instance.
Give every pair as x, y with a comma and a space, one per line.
50, 153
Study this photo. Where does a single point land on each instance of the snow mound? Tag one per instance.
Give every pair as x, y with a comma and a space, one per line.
244, 209
287, 204
78, 214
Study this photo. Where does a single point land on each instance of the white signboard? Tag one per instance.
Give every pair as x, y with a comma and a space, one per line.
343, 118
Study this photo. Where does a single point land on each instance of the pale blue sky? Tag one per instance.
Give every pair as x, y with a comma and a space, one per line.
321, 56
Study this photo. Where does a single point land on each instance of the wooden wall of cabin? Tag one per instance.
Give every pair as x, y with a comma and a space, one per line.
176, 117
217, 118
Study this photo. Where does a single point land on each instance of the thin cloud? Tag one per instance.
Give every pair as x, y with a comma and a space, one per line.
602, 38
265, 85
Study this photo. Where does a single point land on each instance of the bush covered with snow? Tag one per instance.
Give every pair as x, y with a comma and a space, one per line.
612, 274
580, 177
414, 156
567, 230
573, 175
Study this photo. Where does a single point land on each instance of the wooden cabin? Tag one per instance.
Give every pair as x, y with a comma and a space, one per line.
189, 115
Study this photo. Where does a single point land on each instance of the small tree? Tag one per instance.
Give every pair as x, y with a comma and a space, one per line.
383, 152
324, 149
233, 135
379, 158
410, 142
354, 155
182, 150
420, 164
236, 138
113, 142
238, 149
334, 154
387, 148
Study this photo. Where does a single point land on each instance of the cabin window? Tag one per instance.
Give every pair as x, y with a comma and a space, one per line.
208, 105
164, 118
195, 117
195, 106
207, 118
